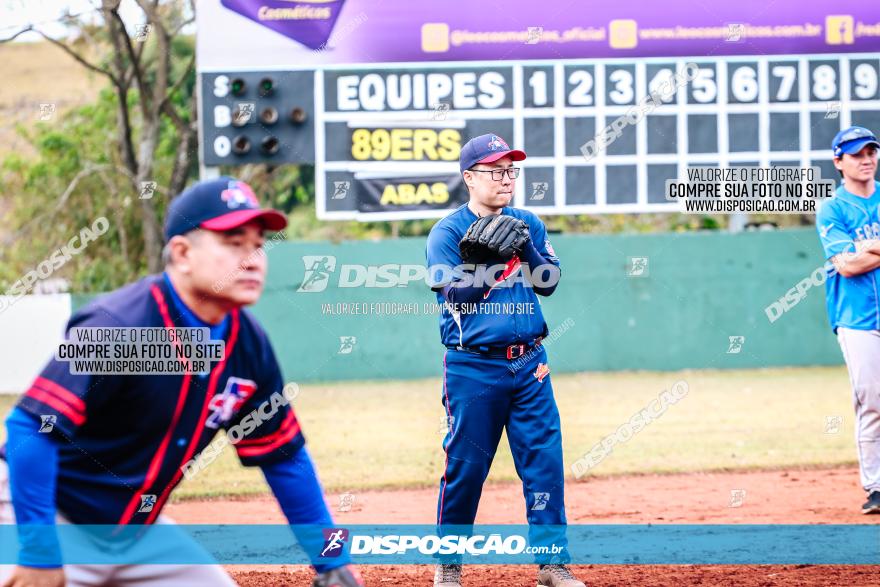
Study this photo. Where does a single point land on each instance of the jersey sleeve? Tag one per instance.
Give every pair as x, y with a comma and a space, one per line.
61, 400
275, 433
443, 257
542, 242
833, 232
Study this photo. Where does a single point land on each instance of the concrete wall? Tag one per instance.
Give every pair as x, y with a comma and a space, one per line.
30, 329
697, 291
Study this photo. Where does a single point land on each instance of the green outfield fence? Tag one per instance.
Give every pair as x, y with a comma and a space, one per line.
697, 291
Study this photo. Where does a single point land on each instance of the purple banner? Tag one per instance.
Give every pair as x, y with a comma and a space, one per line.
316, 32
309, 22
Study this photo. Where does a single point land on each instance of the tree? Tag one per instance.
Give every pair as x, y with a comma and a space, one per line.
154, 107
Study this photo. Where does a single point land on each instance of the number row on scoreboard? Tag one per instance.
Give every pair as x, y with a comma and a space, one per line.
744, 81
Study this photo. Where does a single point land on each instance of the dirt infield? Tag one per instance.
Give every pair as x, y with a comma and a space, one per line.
812, 496
596, 576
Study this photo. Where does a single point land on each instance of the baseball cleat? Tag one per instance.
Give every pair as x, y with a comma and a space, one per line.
447, 576
341, 577
872, 506
557, 576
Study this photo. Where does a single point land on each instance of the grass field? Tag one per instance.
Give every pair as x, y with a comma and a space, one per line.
387, 434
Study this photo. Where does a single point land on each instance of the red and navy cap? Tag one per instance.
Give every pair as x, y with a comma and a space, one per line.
218, 204
486, 149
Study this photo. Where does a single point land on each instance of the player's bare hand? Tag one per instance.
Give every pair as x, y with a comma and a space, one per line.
31, 577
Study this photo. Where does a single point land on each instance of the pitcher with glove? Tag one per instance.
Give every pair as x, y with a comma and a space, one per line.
495, 371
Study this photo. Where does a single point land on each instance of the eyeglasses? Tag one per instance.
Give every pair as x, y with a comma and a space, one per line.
498, 174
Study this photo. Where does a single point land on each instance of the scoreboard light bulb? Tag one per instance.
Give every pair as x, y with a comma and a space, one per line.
241, 145
269, 145
239, 118
238, 86
269, 115
267, 86
297, 115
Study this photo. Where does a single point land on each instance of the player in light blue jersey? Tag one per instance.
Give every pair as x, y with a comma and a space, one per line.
849, 229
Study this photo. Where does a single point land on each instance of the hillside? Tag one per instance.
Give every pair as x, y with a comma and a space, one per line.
34, 74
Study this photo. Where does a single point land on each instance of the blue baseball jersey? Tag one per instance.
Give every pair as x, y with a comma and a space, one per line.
520, 318
123, 437
843, 221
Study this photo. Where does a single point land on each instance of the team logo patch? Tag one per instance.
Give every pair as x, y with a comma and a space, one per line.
334, 540
541, 372
224, 405
239, 195
496, 143
549, 247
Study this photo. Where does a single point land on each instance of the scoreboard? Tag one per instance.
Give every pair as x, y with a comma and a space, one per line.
380, 99
385, 140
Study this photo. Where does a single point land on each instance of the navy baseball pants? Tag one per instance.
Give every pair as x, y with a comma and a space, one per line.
482, 396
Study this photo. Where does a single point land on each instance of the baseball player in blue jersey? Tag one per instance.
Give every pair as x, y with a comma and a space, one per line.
119, 444
486, 263
849, 229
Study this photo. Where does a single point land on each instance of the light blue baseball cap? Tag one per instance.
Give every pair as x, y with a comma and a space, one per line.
852, 140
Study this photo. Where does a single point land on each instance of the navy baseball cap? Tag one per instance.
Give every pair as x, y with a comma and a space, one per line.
852, 140
218, 204
486, 149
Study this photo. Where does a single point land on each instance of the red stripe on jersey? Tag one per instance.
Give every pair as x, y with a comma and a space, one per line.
61, 392
53, 402
511, 267
200, 426
288, 421
156, 462
255, 451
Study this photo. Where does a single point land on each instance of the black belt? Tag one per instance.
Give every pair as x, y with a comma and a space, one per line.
509, 352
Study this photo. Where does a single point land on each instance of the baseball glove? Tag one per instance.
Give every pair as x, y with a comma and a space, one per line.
493, 236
